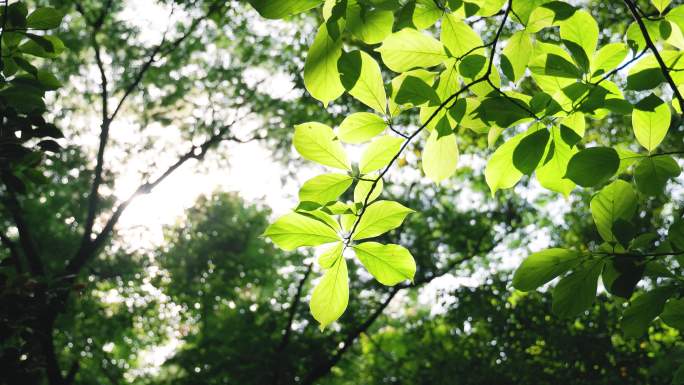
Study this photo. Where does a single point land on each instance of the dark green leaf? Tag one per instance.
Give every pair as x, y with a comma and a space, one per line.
593, 166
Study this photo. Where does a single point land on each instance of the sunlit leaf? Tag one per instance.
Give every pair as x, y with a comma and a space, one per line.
408, 49
379, 153
380, 217
389, 264
295, 230
317, 142
614, 202
330, 297
541, 267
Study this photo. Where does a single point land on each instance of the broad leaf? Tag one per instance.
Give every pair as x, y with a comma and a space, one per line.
500, 172
593, 166
440, 156
44, 18
360, 127
650, 121
361, 77
317, 142
576, 292
379, 153
330, 255
541, 267
295, 230
380, 217
389, 264
458, 37
371, 26
324, 188
673, 313
516, 55
615, 201
582, 30
644, 309
408, 49
529, 153
363, 188
330, 297
552, 174
278, 9
652, 173
321, 76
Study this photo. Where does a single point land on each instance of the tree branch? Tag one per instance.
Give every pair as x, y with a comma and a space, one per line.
649, 42
14, 253
450, 99
288, 328
25, 237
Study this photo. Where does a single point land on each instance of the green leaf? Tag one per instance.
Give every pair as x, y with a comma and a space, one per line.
415, 91
361, 77
408, 48
615, 201
371, 26
389, 264
582, 30
650, 121
576, 292
500, 172
380, 217
440, 156
678, 377
330, 297
42, 46
621, 275
425, 13
295, 230
652, 173
363, 188
324, 188
458, 37
608, 58
673, 313
541, 267
558, 66
330, 255
644, 309
540, 18
516, 55
321, 76
593, 166
379, 153
44, 18
661, 4
472, 65
551, 174
317, 142
675, 234
361, 127
278, 9
529, 152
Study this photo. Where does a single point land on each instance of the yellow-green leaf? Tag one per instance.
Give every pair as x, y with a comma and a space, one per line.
317, 142
321, 76
379, 153
408, 49
324, 188
295, 230
389, 264
330, 297
380, 217
440, 156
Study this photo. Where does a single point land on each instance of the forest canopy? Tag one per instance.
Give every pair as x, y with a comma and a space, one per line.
341, 191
